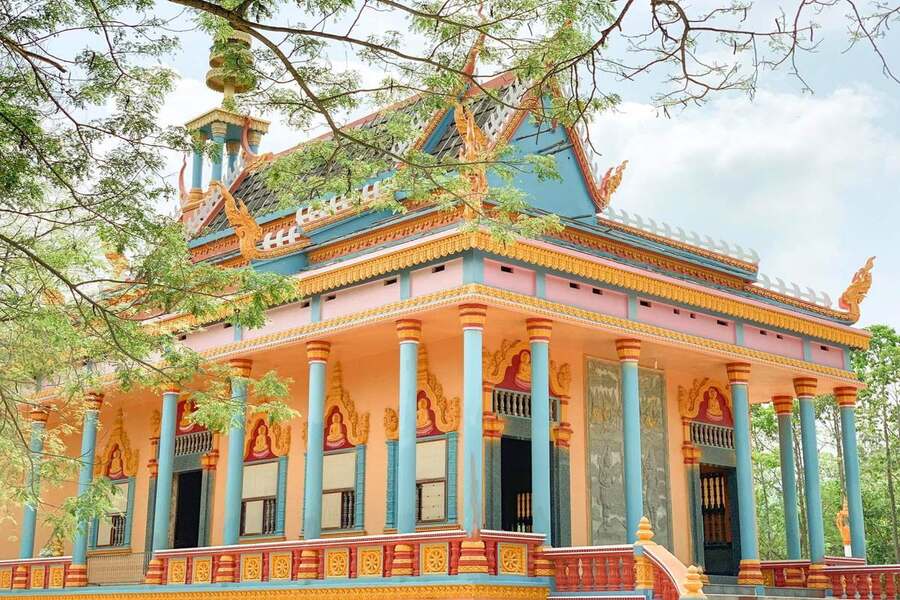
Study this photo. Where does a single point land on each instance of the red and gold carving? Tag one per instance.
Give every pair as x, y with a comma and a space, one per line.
176, 570
263, 440
201, 569
183, 422
117, 460
309, 565
512, 559
472, 557
76, 576
435, 559
750, 573
225, 569
402, 563
251, 567
370, 562
344, 427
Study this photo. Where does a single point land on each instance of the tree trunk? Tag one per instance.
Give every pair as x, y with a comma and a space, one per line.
890, 481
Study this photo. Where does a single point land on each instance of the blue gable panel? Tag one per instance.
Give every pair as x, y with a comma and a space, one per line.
568, 197
284, 265
352, 224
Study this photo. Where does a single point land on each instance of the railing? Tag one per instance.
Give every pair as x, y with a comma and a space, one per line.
785, 573
866, 582
428, 553
198, 442
116, 568
513, 403
671, 578
715, 436
34, 573
593, 569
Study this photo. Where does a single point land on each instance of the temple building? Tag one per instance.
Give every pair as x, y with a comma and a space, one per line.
565, 415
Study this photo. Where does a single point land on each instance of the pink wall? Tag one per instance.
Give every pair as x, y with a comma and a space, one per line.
509, 277
360, 297
436, 278
770, 341
281, 318
824, 354
210, 337
586, 296
686, 320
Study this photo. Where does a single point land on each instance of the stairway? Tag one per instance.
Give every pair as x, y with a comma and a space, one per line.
727, 588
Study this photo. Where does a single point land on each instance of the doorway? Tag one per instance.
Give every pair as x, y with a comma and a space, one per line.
189, 485
515, 487
721, 533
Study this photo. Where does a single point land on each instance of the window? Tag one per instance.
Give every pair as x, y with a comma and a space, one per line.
259, 499
339, 490
111, 528
431, 480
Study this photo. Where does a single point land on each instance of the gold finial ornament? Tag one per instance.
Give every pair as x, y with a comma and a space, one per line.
693, 583
644, 532
474, 146
610, 183
857, 290
238, 45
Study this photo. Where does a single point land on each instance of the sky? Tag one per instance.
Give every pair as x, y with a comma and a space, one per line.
809, 180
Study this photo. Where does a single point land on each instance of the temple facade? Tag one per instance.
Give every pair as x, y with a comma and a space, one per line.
564, 415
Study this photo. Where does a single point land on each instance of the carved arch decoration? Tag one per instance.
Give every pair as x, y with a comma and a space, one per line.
183, 412
118, 460
707, 401
504, 368
264, 440
435, 413
344, 427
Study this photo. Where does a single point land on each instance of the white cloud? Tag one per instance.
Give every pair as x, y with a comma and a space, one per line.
810, 182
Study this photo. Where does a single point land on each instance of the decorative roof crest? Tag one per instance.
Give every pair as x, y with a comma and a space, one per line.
610, 183
857, 290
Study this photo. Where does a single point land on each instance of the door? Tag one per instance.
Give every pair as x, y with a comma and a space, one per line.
721, 540
187, 509
515, 486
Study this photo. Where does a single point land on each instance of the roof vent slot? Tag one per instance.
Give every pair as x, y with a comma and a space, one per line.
506, 269
438, 268
574, 285
646, 303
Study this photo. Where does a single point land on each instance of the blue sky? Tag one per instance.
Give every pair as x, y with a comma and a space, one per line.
809, 180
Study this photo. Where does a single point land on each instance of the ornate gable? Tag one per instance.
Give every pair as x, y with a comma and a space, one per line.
263, 440
118, 460
435, 413
344, 427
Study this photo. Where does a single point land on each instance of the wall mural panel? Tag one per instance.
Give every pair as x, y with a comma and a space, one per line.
605, 452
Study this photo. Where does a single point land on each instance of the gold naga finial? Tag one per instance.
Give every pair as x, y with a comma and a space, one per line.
247, 230
610, 183
474, 145
857, 290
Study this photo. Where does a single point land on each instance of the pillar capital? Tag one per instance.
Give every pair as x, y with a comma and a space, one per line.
409, 330
628, 349
539, 330
39, 413
472, 316
233, 146
805, 387
738, 372
784, 405
317, 351
240, 367
254, 137
198, 136
93, 400
219, 129
845, 396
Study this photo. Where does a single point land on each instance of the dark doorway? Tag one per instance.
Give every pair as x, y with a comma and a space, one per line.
721, 533
187, 510
515, 487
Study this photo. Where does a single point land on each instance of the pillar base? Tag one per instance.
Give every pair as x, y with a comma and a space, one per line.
543, 566
309, 565
472, 558
20, 578
154, 572
76, 576
750, 573
225, 570
817, 580
402, 564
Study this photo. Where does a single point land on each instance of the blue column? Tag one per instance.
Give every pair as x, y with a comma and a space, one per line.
282, 495
234, 473
390, 515
846, 399
165, 460
33, 480
805, 387
218, 137
317, 354
629, 351
472, 317
197, 164
739, 378
409, 332
784, 407
85, 477
539, 337
233, 147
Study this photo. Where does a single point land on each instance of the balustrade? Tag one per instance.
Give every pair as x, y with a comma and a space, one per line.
593, 569
865, 582
512, 403
199, 442
716, 436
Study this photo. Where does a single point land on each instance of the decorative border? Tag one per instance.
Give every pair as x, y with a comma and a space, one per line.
393, 592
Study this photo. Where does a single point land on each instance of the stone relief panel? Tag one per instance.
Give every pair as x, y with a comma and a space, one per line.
605, 452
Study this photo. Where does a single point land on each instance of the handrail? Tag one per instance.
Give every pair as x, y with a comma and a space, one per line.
593, 568
672, 579
43, 572
868, 582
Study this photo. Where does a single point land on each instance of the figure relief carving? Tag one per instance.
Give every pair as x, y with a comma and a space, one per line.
155, 423
344, 427
264, 440
435, 413
118, 460
509, 367
857, 290
706, 401
391, 424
